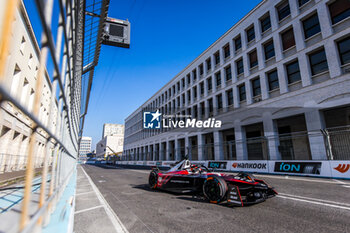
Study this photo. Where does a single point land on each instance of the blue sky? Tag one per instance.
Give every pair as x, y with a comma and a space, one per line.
166, 35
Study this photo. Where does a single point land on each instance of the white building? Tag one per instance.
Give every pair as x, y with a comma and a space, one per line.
112, 140
20, 80
85, 146
276, 79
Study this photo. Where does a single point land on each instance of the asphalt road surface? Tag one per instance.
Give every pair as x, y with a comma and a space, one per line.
303, 205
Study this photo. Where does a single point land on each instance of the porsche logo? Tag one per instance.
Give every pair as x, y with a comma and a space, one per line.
342, 168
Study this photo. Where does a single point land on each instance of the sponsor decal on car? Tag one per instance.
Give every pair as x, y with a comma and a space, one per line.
217, 165
180, 181
299, 167
342, 168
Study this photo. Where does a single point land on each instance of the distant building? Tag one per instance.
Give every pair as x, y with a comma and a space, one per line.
112, 129
112, 140
85, 146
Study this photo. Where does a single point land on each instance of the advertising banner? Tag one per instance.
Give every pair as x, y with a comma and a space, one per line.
219, 165
298, 167
250, 166
340, 169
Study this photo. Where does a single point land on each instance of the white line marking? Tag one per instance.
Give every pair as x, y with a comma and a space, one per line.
131, 211
118, 225
78, 194
299, 179
88, 209
339, 181
316, 199
315, 202
346, 186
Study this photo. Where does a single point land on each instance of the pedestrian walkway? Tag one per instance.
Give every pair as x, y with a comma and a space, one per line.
92, 212
7, 178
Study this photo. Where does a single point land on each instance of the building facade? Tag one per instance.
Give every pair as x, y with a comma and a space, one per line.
279, 80
112, 140
85, 146
20, 78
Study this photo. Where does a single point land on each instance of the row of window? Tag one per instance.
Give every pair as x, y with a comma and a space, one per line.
339, 10
318, 64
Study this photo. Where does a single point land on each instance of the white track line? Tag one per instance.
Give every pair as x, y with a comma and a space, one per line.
78, 194
118, 225
314, 202
316, 199
88, 209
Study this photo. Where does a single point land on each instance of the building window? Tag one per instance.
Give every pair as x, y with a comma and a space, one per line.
229, 95
194, 92
288, 39
178, 101
311, 26
15, 80
189, 95
253, 59
293, 72
201, 88
218, 79
188, 79
227, 50
210, 106
208, 61
183, 99
169, 92
239, 66
209, 84
241, 91
217, 58
344, 50
256, 87
339, 10
194, 74
269, 50
202, 109
250, 34
302, 2
183, 82
283, 10
228, 73
265, 23
195, 111
174, 89
238, 43
318, 62
178, 86
273, 80
201, 70
219, 101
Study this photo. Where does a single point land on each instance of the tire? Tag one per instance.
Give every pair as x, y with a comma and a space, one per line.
152, 180
214, 189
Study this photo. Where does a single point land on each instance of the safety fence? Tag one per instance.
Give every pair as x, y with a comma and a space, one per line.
41, 99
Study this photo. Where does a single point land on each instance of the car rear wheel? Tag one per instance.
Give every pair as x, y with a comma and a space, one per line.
152, 180
214, 189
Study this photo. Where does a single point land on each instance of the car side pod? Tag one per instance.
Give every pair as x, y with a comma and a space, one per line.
215, 189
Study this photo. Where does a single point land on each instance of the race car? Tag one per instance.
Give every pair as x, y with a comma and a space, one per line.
237, 190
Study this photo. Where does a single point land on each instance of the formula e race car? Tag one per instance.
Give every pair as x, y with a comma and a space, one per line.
236, 190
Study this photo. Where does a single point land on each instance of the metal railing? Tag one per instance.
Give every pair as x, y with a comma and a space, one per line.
59, 141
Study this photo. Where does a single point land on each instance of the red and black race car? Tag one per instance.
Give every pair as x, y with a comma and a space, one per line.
237, 190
